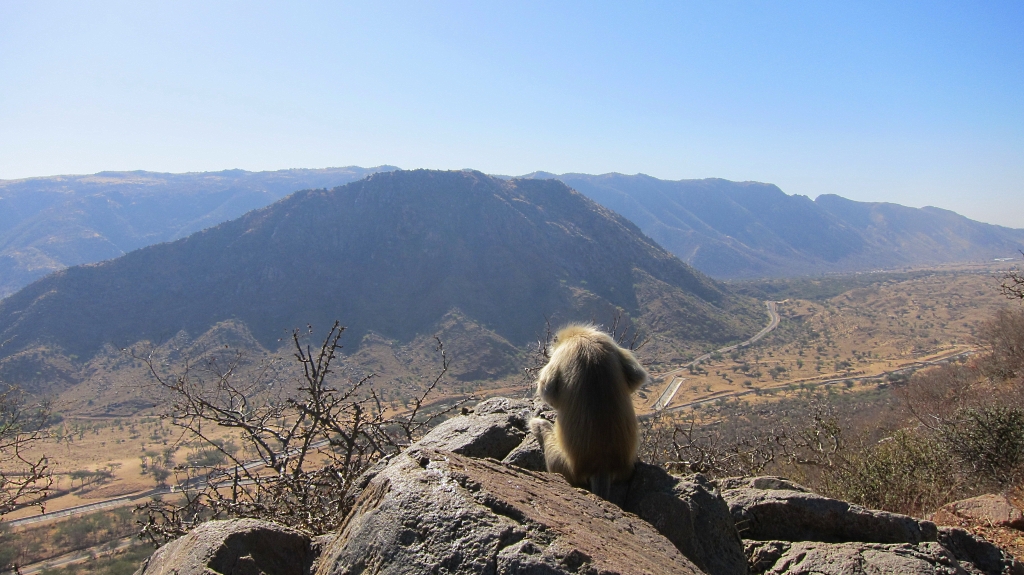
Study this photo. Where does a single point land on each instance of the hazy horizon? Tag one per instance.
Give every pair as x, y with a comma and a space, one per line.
812, 197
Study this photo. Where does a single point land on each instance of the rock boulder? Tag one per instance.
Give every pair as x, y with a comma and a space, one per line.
790, 515
438, 512
815, 558
691, 513
991, 509
493, 429
236, 547
956, 553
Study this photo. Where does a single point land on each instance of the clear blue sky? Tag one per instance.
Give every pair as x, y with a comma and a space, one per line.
917, 103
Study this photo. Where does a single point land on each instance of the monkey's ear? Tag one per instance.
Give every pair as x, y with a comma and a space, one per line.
549, 384
635, 374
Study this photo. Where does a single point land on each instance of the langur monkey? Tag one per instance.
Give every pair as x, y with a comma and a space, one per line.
589, 380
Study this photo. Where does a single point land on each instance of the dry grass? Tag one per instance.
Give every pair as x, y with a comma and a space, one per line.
127, 448
865, 331
36, 543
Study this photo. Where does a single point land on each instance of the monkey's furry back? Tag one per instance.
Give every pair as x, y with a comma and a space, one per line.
589, 380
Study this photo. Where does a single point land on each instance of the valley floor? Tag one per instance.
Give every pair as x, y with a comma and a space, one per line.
863, 337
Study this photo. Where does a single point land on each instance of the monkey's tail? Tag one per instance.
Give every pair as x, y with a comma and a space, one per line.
601, 485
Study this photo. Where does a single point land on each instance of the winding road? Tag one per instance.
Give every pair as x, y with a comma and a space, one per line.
677, 381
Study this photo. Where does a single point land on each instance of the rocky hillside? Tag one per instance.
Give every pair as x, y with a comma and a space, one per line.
396, 255
749, 229
472, 497
47, 224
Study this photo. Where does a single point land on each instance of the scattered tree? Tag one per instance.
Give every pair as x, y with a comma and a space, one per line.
1013, 284
25, 479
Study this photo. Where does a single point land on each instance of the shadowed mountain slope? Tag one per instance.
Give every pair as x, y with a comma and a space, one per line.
749, 229
47, 224
391, 254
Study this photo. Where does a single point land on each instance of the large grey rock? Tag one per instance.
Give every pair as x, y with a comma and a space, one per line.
957, 553
692, 514
494, 428
521, 407
438, 512
977, 553
762, 482
528, 455
789, 515
816, 558
236, 547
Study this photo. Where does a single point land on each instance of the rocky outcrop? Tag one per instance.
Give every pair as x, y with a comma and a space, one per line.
493, 429
237, 547
763, 482
978, 554
958, 553
496, 428
789, 530
807, 558
472, 497
783, 513
691, 513
528, 455
439, 512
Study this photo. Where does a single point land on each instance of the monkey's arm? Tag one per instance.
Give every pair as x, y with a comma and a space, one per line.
554, 458
635, 374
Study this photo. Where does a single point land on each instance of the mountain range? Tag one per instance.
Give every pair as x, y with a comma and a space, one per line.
728, 230
396, 256
733, 230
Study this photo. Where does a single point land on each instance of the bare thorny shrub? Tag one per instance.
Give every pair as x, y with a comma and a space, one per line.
1013, 284
303, 449
25, 480
813, 446
976, 410
694, 443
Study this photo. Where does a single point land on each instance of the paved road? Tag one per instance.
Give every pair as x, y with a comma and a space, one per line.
194, 483
77, 556
674, 385
669, 393
87, 508
905, 369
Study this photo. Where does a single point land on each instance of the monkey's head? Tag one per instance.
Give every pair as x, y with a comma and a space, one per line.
575, 330
578, 353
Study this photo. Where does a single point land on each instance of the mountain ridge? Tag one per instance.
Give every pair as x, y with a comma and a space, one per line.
736, 230
50, 223
390, 254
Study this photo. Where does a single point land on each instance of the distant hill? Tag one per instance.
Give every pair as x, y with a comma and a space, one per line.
50, 223
396, 256
748, 229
